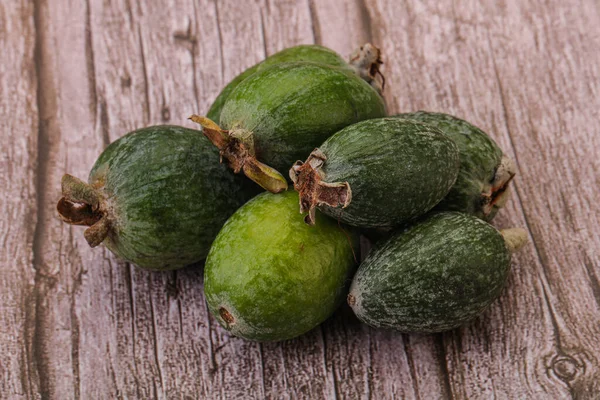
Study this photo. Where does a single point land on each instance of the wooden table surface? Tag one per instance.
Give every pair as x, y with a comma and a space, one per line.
76, 75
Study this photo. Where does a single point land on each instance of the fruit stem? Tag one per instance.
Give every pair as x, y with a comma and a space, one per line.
96, 233
366, 62
313, 191
498, 192
268, 178
212, 131
515, 238
237, 147
77, 191
82, 204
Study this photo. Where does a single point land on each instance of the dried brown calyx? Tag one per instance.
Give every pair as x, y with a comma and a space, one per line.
498, 193
313, 191
237, 147
351, 299
367, 62
83, 204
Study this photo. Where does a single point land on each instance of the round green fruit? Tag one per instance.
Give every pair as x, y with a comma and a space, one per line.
365, 62
278, 115
156, 197
482, 185
269, 276
311, 52
435, 275
377, 173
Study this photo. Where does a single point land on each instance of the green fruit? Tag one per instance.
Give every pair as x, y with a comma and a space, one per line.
364, 62
269, 276
281, 113
377, 173
435, 275
481, 188
156, 197
310, 52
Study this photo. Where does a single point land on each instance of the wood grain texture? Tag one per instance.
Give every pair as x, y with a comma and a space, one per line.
18, 135
78, 323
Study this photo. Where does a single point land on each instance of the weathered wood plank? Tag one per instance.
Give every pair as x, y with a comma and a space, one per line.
494, 67
557, 65
18, 135
67, 142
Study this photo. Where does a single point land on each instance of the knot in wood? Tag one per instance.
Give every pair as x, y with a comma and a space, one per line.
566, 368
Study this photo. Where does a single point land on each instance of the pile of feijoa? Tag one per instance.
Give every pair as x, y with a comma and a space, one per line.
279, 263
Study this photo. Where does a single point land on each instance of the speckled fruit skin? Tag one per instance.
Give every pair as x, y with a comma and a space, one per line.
435, 275
305, 52
276, 276
397, 170
480, 156
168, 194
293, 107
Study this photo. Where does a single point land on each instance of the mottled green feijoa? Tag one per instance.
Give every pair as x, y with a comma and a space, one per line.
280, 114
305, 52
377, 173
438, 274
481, 187
156, 197
270, 277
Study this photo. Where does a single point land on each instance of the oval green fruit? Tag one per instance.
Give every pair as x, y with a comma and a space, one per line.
435, 275
281, 113
311, 52
156, 197
377, 173
365, 62
269, 276
482, 184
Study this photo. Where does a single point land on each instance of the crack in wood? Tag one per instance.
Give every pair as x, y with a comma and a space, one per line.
367, 20
145, 75
156, 341
48, 132
264, 36
411, 364
594, 280
220, 37
331, 372
315, 23
440, 350
91, 67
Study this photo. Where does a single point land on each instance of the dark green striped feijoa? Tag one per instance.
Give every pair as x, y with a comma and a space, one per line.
377, 173
438, 274
365, 62
482, 185
280, 114
156, 197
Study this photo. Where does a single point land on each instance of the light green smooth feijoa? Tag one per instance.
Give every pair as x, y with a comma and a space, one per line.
269, 276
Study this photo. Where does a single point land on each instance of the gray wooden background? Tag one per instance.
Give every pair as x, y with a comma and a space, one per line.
78, 323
